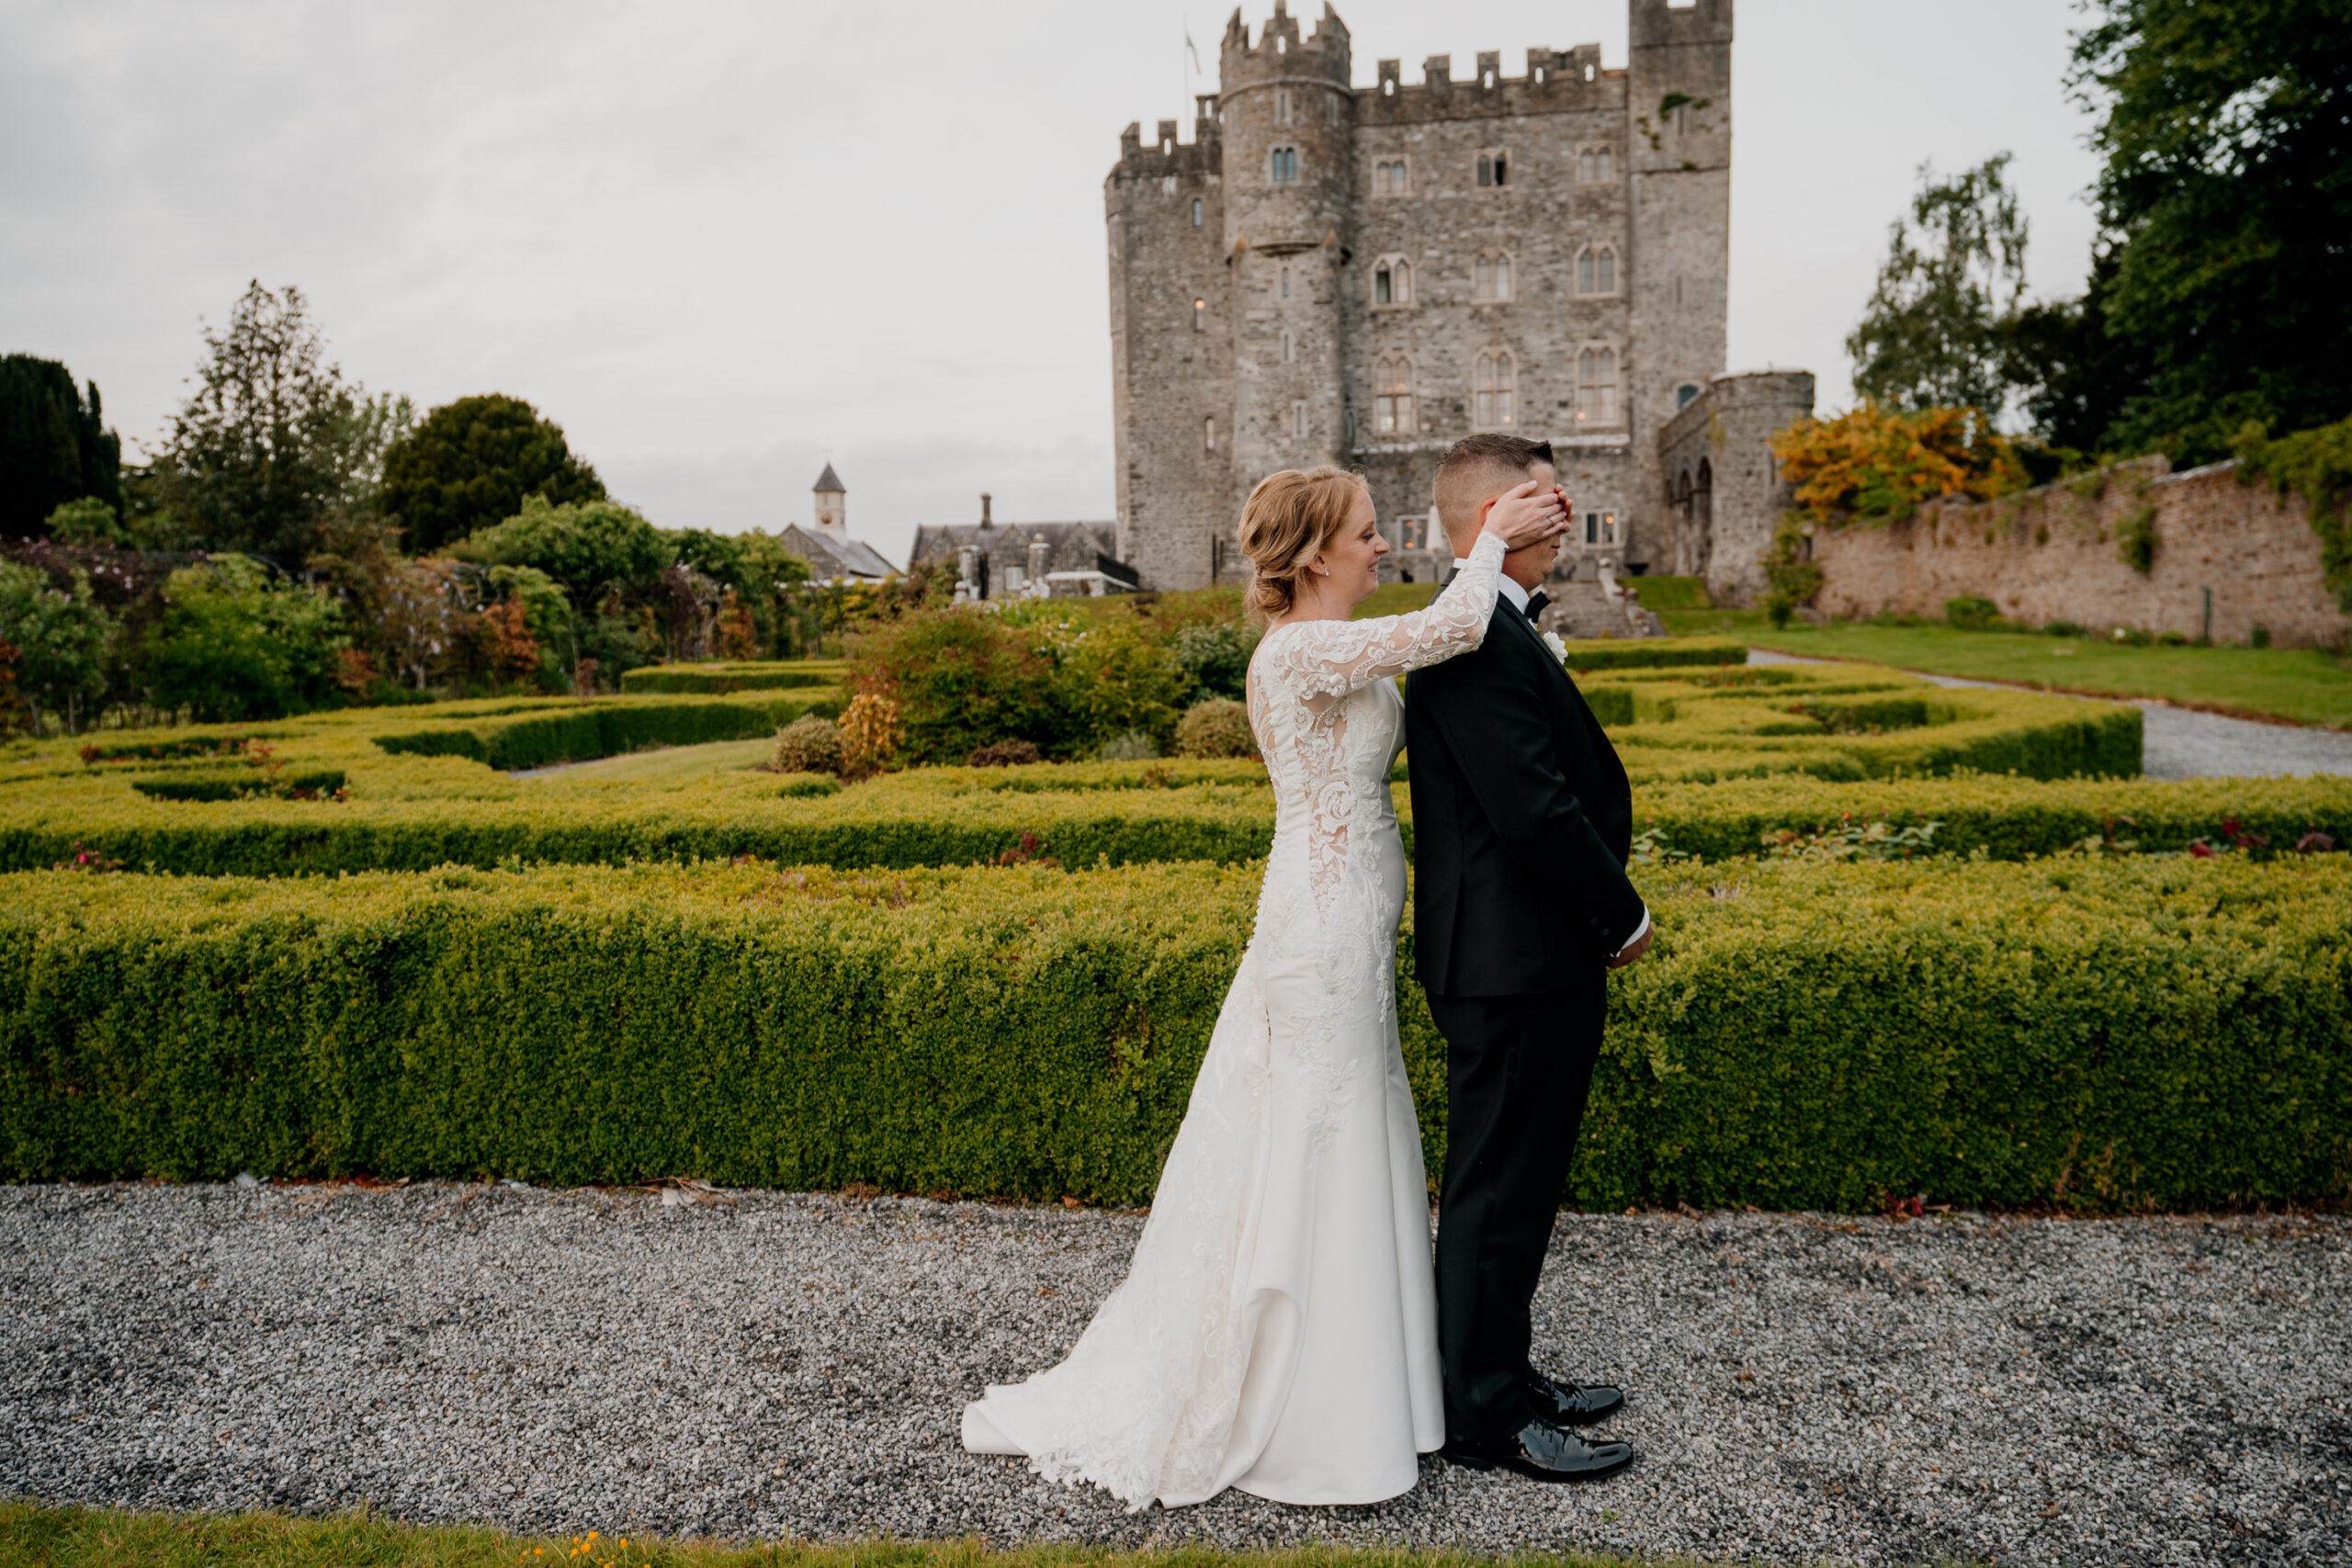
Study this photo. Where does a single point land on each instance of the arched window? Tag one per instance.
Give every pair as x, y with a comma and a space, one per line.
1283, 165
1596, 270
1597, 386
1392, 281
1490, 278
1392, 399
1494, 168
1684, 394
1595, 165
1196, 212
1283, 290
1200, 315
1494, 385
1389, 177
1208, 433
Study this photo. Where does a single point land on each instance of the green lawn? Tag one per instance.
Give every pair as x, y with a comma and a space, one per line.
36, 1537
674, 764
2299, 684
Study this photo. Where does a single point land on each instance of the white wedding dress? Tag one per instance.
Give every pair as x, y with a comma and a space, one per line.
1277, 1329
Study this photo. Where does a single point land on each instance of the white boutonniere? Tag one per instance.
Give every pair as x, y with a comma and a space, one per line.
1559, 650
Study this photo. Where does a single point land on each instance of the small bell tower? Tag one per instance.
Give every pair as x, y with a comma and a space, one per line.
832, 505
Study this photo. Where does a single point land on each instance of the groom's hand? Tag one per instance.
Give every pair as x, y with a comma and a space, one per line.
1633, 950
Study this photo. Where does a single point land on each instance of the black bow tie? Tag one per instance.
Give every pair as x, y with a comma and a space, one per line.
1535, 603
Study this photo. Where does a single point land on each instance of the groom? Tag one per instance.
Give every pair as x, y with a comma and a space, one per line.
1521, 824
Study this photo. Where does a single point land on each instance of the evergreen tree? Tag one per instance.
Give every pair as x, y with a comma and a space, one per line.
54, 446
2226, 134
471, 464
274, 442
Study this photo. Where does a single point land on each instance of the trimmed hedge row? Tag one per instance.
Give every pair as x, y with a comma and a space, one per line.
719, 678
2149, 1034
1584, 654
429, 812
582, 732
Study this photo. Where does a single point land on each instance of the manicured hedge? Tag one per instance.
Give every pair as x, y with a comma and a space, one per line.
2168, 1034
717, 679
1652, 652
581, 732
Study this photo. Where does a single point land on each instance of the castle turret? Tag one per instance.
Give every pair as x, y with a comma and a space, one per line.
832, 505
1287, 117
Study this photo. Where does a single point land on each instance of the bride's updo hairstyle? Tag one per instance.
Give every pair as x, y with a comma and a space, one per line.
1284, 524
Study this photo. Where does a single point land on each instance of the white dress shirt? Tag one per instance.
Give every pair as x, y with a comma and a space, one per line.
1511, 591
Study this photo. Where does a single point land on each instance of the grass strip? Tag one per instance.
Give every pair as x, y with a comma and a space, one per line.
2297, 685
36, 1536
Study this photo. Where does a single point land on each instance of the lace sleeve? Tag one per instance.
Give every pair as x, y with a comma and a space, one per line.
1330, 658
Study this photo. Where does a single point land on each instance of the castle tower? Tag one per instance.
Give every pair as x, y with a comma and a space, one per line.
832, 505
1678, 153
1288, 116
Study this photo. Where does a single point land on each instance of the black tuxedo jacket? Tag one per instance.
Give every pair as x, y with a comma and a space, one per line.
1522, 822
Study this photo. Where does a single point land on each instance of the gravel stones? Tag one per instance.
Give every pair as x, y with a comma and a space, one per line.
745, 1364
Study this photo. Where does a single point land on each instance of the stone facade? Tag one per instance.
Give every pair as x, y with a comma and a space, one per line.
1722, 490
2052, 554
1360, 276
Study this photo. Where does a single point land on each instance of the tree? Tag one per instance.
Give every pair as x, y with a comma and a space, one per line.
86, 522
590, 547
235, 642
61, 637
273, 442
1875, 464
54, 446
1935, 332
2072, 372
469, 464
2226, 140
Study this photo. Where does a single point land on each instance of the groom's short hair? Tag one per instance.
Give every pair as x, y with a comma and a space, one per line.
1476, 469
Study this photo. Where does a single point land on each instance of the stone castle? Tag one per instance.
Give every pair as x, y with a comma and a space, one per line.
1333, 273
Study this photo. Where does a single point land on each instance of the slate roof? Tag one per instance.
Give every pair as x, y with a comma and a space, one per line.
836, 557
830, 480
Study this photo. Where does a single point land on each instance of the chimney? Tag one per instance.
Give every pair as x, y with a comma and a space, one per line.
984, 509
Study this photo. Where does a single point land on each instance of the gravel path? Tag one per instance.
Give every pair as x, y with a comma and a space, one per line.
2182, 743
1801, 1388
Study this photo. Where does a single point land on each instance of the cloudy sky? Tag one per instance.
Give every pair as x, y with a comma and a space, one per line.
720, 241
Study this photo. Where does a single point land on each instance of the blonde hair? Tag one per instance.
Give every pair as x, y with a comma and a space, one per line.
1285, 524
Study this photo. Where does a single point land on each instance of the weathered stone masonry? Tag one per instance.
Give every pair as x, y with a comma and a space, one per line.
1557, 242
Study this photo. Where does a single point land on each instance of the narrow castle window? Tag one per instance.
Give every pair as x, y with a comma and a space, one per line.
1290, 347
1299, 420
1595, 165
1388, 88
1208, 433
1392, 282
1392, 401
1330, 108
1597, 386
1200, 315
1493, 169
1587, 72
1389, 177
1490, 280
1383, 286
1196, 212
1597, 271
1281, 106
1493, 382
1285, 283
1284, 165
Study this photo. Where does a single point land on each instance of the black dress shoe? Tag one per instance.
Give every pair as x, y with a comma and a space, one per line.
1542, 1452
1571, 1404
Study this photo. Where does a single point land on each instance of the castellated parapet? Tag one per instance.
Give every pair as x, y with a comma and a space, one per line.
1363, 273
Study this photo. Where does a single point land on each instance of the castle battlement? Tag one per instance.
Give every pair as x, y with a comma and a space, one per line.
1164, 156
1281, 52
1557, 81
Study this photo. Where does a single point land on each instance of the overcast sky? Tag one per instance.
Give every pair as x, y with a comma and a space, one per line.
718, 242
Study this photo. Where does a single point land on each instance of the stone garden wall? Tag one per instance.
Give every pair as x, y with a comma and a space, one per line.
2057, 553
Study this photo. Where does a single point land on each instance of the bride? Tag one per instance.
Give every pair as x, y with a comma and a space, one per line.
1277, 1329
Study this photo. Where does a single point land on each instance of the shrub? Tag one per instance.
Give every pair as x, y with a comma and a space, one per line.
800, 786
2102, 1037
2258, 637
1777, 608
235, 643
1972, 612
1133, 747
1652, 652
537, 734
1674, 593
807, 745
2064, 628
870, 734
961, 679
1218, 727
720, 678
1876, 464
1003, 754
2135, 539
1214, 659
